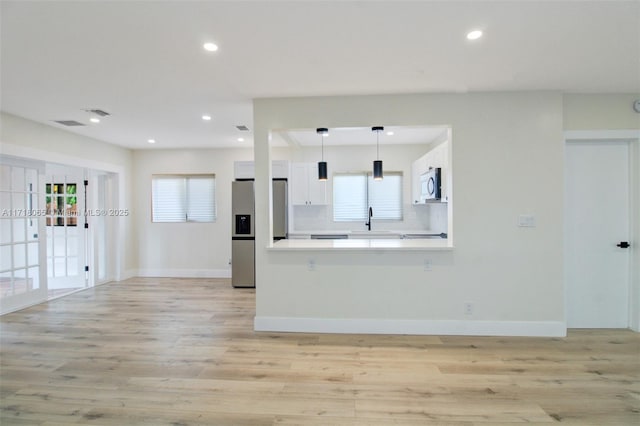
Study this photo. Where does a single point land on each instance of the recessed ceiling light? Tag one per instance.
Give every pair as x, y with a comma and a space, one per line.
94, 120
389, 133
240, 139
151, 140
206, 117
474, 35
210, 47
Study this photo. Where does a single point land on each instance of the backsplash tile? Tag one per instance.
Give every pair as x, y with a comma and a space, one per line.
426, 217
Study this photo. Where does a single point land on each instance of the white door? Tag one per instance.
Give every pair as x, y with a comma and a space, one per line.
66, 234
102, 226
22, 277
596, 220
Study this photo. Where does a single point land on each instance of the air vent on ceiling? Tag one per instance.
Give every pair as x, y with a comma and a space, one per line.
99, 112
242, 128
69, 123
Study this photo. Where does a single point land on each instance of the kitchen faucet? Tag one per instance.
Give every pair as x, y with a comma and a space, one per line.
368, 224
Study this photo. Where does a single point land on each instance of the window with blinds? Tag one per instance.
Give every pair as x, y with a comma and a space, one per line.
183, 198
354, 193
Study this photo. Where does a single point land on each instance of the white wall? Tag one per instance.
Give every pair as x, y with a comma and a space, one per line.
611, 117
600, 112
507, 160
185, 249
24, 138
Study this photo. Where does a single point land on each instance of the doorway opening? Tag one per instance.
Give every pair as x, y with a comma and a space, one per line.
56, 234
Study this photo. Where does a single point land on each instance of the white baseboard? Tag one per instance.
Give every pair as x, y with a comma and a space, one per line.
185, 273
417, 327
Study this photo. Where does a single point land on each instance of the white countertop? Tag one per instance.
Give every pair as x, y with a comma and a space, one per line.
361, 244
363, 231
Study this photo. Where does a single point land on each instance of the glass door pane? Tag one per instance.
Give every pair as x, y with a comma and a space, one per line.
21, 279
102, 227
66, 257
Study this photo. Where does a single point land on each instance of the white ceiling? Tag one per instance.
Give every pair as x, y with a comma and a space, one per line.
143, 61
391, 135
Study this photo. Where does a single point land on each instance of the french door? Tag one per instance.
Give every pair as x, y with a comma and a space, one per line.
47, 247
22, 261
102, 228
66, 234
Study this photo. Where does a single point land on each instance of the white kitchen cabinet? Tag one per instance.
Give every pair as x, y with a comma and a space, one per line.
243, 170
444, 184
437, 157
280, 169
246, 169
441, 159
306, 189
416, 171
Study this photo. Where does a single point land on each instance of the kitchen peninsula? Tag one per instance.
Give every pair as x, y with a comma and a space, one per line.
363, 244
364, 240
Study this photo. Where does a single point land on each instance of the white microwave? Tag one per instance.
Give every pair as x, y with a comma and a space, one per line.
431, 185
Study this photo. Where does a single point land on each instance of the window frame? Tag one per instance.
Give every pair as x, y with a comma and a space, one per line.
184, 202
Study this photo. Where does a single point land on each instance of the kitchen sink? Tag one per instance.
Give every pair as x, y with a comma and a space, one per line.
329, 236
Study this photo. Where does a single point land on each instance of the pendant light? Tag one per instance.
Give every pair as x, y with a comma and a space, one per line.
377, 164
322, 165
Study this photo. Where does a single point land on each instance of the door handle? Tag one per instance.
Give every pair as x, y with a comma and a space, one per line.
623, 244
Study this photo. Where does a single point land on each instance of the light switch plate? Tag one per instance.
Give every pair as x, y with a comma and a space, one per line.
527, 220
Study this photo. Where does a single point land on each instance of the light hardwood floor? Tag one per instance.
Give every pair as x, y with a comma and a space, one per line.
183, 352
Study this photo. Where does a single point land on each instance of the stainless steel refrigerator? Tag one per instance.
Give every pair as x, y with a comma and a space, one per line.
243, 232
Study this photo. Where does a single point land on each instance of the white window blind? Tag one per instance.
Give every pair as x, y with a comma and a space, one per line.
180, 198
201, 192
353, 194
349, 197
385, 196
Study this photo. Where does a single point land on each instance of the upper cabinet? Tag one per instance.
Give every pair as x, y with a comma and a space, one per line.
246, 169
437, 157
306, 189
243, 170
280, 169
416, 171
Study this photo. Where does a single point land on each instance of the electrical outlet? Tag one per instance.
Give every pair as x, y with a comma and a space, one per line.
427, 264
229, 261
311, 265
468, 308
